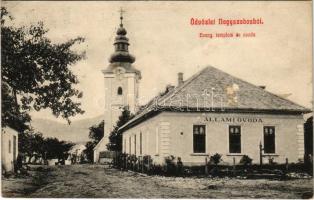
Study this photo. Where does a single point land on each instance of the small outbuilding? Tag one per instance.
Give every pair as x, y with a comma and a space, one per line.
9, 149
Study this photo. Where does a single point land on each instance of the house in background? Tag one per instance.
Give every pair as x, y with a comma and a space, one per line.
76, 153
214, 112
9, 149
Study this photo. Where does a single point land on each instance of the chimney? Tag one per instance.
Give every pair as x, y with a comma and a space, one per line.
262, 86
180, 78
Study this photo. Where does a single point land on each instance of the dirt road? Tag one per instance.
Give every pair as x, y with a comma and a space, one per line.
95, 181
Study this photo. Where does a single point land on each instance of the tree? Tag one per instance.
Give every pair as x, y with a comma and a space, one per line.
35, 145
89, 151
31, 144
36, 74
53, 148
96, 133
115, 137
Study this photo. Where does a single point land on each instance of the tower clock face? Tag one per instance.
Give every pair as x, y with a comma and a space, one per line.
120, 71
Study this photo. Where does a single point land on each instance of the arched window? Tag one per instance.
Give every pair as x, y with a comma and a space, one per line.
119, 90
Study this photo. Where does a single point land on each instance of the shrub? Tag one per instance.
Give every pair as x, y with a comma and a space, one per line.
156, 169
147, 159
246, 160
147, 163
179, 166
170, 165
132, 161
215, 159
271, 161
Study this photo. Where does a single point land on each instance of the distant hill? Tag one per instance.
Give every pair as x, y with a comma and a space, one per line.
76, 132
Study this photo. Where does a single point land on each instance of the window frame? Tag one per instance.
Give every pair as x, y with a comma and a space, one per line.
263, 139
130, 144
119, 91
10, 145
141, 143
135, 144
205, 138
124, 145
230, 126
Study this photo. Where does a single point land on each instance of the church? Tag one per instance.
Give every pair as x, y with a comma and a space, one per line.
210, 112
121, 86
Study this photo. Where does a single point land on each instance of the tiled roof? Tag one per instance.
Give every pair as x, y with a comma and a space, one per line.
214, 90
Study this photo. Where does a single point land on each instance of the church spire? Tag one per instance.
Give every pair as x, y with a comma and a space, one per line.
121, 44
121, 17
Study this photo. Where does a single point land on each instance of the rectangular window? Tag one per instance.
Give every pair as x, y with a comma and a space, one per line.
135, 144
9, 146
124, 146
235, 139
199, 135
269, 139
130, 145
14, 147
141, 143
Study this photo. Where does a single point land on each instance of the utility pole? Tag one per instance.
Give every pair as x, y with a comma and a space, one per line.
260, 153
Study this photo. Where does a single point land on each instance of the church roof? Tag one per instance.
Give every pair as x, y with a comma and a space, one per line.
212, 90
121, 56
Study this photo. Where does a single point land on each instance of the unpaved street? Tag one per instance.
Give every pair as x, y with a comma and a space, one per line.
96, 181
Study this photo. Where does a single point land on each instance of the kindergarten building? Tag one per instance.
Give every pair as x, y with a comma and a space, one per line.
211, 112
214, 112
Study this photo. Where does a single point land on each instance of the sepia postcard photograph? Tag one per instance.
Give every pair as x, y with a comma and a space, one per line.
157, 99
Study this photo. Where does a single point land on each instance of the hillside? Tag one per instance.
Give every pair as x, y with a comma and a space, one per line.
76, 132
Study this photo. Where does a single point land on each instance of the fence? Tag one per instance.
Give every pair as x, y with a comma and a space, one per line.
108, 157
174, 167
132, 162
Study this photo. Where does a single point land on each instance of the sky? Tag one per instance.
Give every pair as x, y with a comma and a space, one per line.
165, 43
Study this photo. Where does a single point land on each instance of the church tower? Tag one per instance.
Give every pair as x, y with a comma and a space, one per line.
121, 85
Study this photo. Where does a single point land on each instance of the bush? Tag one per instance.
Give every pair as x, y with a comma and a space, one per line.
194, 170
147, 163
119, 160
215, 159
246, 160
179, 166
272, 161
170, 165
156, 170
147, 159
132, 161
